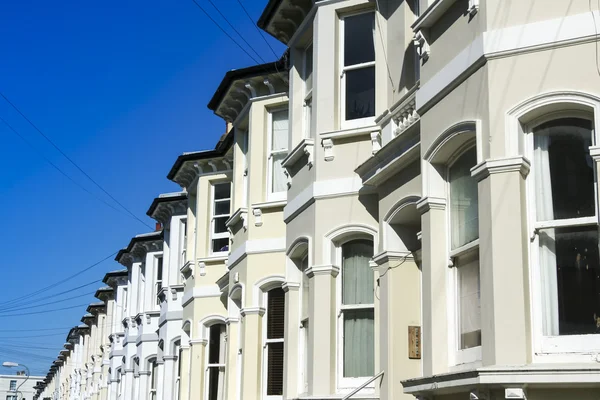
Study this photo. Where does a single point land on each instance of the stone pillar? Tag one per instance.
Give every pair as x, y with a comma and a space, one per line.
291, 345
160, 373
143, 385
232, 352
322, 330
252, 353
434, 285
184, 383
503, 242
399, 307
197, 368
167, 388
129, 382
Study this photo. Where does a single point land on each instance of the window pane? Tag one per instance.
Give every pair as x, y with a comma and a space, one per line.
360, 93
308, 68
463, 200
359, 31
564, 170
159, 268
279, 180
357, 275
216, 382
570, 272
220, 244
469, 301
275, 314
215, 345
275, 369
222, 191
279, 139
305, 289
220, 226
359, 343
222, 207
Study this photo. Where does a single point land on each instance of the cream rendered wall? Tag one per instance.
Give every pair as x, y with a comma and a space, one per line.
499, 15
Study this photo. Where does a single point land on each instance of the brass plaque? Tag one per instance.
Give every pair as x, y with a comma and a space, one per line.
414, 342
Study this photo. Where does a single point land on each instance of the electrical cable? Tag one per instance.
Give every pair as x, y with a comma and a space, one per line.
42, 312
50, 296
224, 31
46, 304
236, 31
59, 282
260, 32
69, 159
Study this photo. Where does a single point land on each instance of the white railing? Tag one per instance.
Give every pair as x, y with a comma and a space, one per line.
361, 387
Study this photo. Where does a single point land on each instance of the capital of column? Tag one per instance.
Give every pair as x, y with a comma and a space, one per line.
595, 153
193, 342
501, 165
170, 358
147, 373
232, 320
388, 256
252, 310
287, 286
431, 203
328, 269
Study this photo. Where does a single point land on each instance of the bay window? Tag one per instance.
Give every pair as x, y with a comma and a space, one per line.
221, 210
278, 150
215, 368
464, 252
358, 68
274, 341
357, 310
566, 227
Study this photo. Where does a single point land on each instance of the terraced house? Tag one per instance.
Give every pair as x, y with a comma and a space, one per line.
404, 205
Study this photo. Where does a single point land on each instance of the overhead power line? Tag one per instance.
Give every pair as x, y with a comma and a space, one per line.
260, 32
50, 296
236, 31
43, 311
69, 159
59, 282
45, 304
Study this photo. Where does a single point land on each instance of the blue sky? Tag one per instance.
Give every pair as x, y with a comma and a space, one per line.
121, 87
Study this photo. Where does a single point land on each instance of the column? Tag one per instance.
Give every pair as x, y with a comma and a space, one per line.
322, 351
143, 385
503, 242
399, 307
291, 345
184, 383
434, 285
252, 352
168, 366
197, 370
233, 355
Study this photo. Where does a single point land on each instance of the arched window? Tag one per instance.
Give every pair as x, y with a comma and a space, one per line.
177, 350
274, 342
464, 250
153, 378
566, 224
358, 309
215, 367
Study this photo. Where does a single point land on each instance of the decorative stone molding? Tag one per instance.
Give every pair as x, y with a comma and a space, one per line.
240, 215
515, 393
201, 267
257, 212
202, 342
405, 115
375, 141
473, 7
328, 149
252, 311
305, 147
595, 153
431, 203
328, 269
387, 256
287, 286
501, 165
477, 394
422, 46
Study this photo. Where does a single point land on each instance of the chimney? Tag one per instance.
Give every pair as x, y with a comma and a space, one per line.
158, 227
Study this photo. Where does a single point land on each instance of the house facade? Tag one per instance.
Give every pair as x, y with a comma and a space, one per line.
404, 206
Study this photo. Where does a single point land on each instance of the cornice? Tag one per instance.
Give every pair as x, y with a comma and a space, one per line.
328, 269
389, 256
431, 203
252, 311
287, 286
501, 165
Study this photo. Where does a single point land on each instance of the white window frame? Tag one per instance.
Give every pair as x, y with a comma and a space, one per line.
571, 348
182, 241
308, 92
217, 365
213, 216
245, 155
153, 379
10, 385
177, 350
274, 196
304, 330
466, 358
345, 384
359, 122
266, 342
158, 259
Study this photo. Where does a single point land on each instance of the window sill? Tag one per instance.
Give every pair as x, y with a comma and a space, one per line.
305, 147
241, 214
328, 138
436, 10
572, 345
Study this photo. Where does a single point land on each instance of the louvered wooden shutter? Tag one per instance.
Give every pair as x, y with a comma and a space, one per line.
275, 330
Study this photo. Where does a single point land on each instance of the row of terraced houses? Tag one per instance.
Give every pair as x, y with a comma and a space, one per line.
404, 205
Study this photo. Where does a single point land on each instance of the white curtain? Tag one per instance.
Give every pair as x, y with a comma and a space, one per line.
547, 245
279, 146
357, 288
470, 302
279, 183
463, 201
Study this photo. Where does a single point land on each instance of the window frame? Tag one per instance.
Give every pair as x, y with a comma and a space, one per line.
217, 365
10, 385
265, 344
182, 242
159, 264
359, 122
222, 235
308, 92
304, 326
462, 358
571, 347
152, 391
346, 384
275, 196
